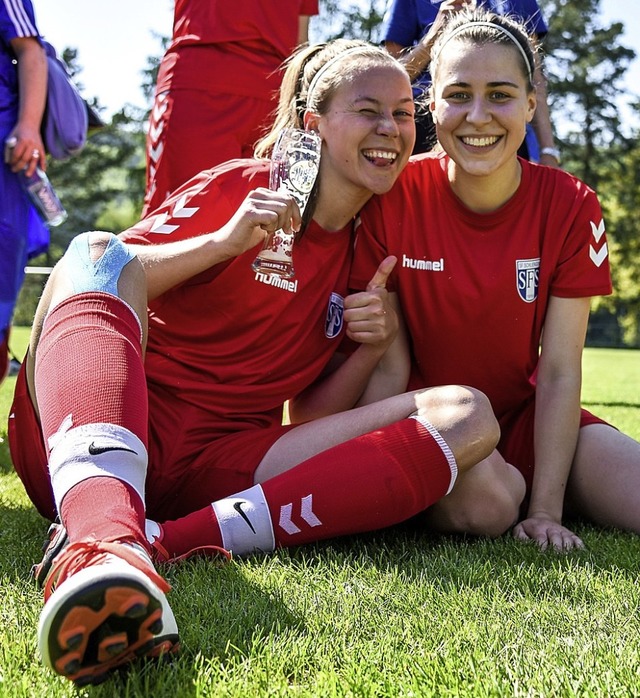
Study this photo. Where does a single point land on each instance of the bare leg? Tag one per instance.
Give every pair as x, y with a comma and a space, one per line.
462, 416
604, 484
485, 501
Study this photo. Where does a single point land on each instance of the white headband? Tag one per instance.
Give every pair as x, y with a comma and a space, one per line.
316, 78
491, 25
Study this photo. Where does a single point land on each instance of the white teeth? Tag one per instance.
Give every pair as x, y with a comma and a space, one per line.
480, 142
384, 154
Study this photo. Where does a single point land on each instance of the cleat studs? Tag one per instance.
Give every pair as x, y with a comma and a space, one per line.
72, 640
112, 646
72, 666
134, 606
136, 610
156, 627
115, 650
154, 623
90, 680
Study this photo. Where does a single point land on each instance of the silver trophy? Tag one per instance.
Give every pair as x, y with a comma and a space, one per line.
294, 167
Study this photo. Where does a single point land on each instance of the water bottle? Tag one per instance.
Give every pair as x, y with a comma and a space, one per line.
40, 191
43, 197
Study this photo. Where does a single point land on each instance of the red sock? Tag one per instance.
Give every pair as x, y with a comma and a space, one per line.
121, 511
371, 482
195, 530
89, 364
89, 371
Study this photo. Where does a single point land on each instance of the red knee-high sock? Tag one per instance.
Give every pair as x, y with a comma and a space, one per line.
89, 371
371, 482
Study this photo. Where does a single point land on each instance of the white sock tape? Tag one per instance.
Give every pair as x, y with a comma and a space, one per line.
94, 450
245, 522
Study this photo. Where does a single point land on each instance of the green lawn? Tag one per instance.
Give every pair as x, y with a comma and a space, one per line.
388, 614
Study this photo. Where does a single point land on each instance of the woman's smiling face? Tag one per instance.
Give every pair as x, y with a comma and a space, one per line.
368, 130
481, 104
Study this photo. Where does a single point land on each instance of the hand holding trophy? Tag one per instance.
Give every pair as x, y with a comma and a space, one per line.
294, 167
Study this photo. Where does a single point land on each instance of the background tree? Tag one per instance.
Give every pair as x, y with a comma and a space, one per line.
337, 20
585, 63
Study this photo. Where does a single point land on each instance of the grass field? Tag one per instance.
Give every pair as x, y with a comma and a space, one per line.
388, 614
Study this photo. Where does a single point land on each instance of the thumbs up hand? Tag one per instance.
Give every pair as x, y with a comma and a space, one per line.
368, 314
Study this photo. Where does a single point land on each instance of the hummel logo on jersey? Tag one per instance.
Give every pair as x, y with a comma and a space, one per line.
277, 281
97, 450
238, 507
423, 264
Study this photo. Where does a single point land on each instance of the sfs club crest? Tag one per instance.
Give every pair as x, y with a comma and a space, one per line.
527, 278
335, 314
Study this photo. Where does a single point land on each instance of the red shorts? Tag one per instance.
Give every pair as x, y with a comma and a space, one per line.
185, 473
516, 442
197, 130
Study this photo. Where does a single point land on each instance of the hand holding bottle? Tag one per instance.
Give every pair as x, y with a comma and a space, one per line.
38, 188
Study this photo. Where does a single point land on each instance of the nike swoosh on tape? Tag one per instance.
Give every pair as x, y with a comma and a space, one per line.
238, 507
97, 450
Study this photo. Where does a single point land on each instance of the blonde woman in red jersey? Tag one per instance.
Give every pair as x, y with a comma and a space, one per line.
193, 437
497, 261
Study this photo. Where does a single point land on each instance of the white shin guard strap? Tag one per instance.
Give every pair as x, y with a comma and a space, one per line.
96, 450
245, 522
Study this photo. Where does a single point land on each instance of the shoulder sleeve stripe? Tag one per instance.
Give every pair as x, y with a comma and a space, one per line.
20, 19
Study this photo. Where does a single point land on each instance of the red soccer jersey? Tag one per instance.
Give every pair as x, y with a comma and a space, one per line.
233, 342
245, 43
474, 287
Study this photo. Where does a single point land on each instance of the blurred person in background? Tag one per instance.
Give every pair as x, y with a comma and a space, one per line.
23, 93
217, 85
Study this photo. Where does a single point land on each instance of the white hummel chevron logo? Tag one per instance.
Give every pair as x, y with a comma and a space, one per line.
179, 211
307, 511
285, 520
306, 514
159, 108
160, 227
598, 257
597, 231
155, 131
156, 152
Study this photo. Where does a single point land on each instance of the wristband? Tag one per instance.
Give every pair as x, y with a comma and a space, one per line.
554, 152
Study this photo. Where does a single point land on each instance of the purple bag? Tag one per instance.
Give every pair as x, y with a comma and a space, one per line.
65, 121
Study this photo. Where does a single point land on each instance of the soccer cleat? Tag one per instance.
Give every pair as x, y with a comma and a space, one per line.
57, 541
159, 554
105, 606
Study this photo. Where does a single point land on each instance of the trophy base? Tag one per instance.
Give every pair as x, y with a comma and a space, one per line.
279, 267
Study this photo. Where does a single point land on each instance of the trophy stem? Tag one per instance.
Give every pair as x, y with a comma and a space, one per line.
273, 266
